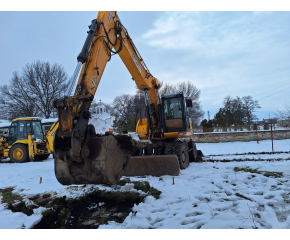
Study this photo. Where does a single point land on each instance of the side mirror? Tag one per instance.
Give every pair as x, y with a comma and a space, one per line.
188, 103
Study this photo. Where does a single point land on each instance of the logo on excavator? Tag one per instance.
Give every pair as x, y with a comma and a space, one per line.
136, 63
94, 82
110, 15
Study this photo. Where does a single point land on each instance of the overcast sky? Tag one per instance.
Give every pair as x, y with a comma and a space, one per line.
222, 53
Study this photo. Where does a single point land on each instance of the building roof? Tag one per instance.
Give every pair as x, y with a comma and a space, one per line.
27, 118
49, 120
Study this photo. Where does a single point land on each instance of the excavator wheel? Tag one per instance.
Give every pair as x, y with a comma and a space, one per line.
182, 154
199, 156
19, 153
192, 151
181, 151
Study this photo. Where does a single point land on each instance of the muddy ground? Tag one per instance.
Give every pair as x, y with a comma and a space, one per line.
86, 212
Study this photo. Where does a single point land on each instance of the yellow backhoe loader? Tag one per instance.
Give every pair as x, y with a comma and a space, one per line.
26, 141
81, 156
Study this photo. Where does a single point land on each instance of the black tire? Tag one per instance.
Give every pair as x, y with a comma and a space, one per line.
183, 157
19, 153
41, 157
199, 156
192, 152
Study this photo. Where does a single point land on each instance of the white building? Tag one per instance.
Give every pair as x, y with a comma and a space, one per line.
101, 119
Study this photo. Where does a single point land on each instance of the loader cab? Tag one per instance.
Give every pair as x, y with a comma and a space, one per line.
175, 114
19, 129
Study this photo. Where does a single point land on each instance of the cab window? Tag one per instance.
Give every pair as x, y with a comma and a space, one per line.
22, 130
12, 137
172, 108
37, 130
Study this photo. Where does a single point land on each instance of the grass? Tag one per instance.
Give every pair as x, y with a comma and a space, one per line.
46, 195
265, 173
9, 197
15, 202
143, 186
273, 174
63, 215
247, 169
123, 182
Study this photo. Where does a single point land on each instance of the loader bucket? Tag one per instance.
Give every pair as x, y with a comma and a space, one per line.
155, 165
104, 161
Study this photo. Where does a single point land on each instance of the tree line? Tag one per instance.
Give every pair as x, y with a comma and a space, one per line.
31, 93
235, 111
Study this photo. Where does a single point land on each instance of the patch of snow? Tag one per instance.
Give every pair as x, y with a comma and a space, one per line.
49, 120
128, 187
134, 136
5, 124
207, 195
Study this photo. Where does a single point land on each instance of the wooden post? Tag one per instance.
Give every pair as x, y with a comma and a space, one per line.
172, 180
257, 134
30, 147
272, 137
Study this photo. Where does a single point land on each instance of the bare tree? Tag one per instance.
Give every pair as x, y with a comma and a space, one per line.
32, 92
122, 106
15, 102
250, 107
284, 115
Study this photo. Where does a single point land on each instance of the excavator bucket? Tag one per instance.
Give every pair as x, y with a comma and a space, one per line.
104, 163
106, 159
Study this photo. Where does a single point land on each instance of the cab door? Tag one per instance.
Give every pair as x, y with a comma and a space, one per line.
17, 131
12, 137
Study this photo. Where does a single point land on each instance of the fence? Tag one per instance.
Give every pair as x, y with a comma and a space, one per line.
238, 128
243, 136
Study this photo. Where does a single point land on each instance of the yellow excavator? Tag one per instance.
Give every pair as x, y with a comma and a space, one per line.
26, 141
82, 156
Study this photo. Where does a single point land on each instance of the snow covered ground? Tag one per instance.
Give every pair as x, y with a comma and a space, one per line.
207, 195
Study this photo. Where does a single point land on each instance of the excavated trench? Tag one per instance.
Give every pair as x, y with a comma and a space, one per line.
86, 212
89, 211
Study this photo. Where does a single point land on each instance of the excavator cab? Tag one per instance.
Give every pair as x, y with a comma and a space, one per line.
175, 113
20, 128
